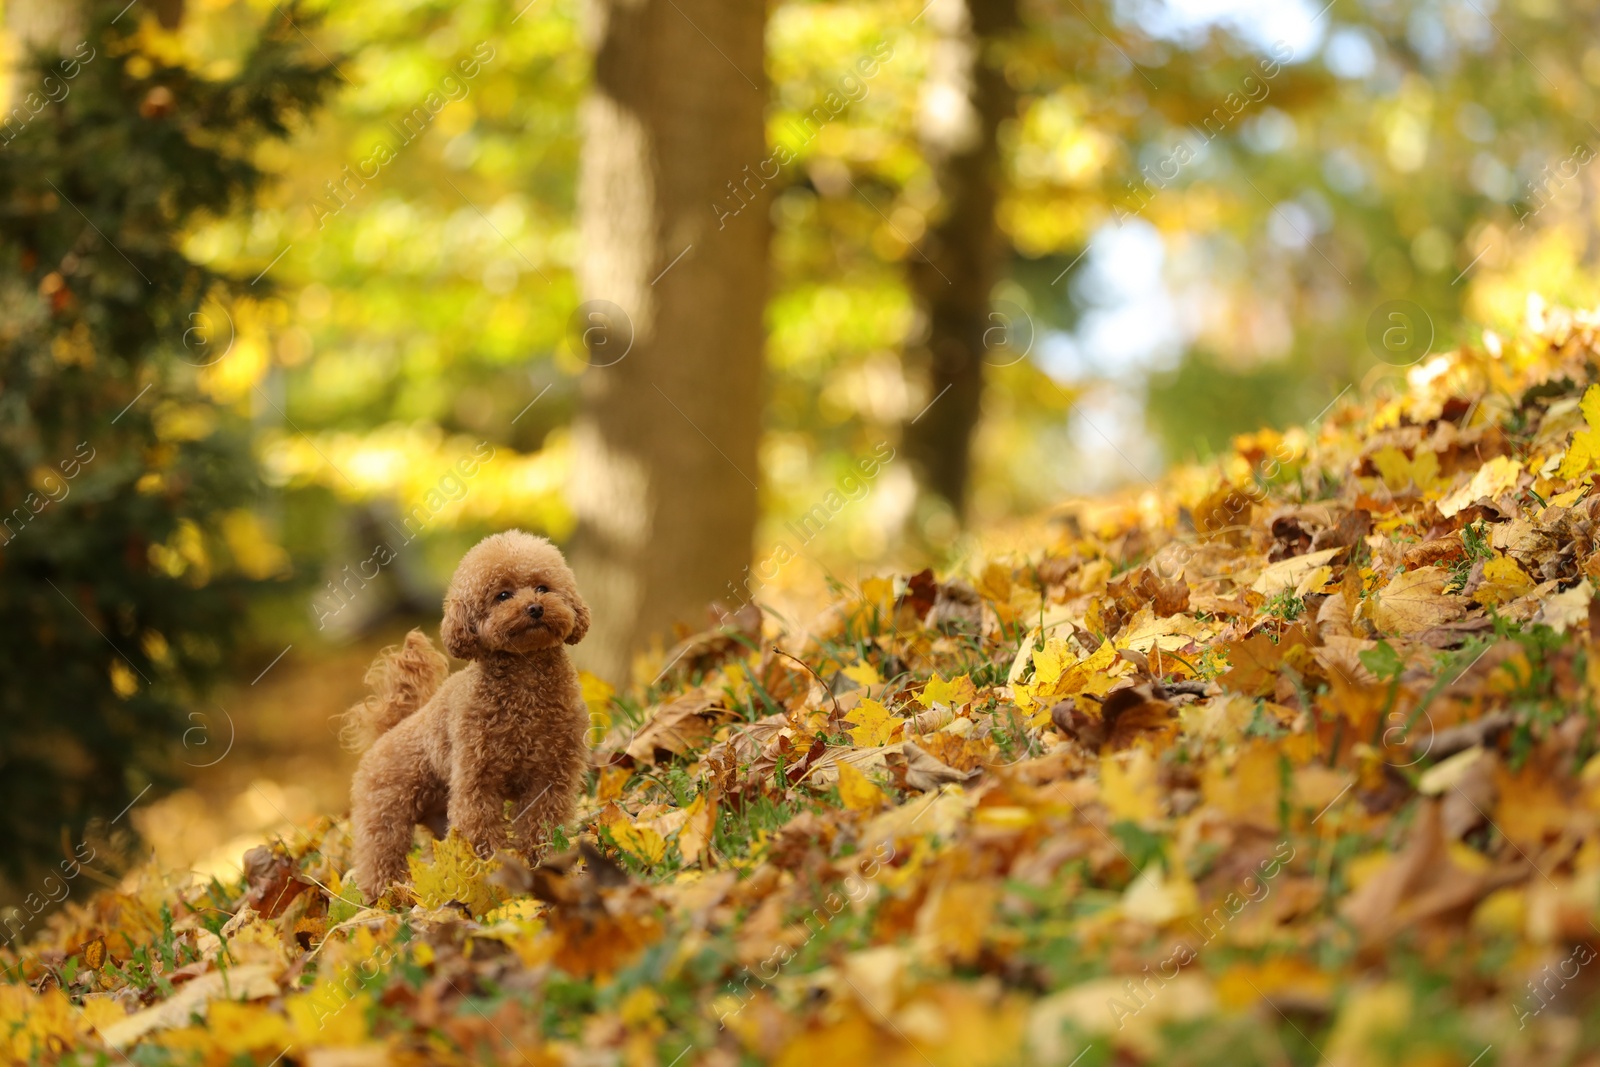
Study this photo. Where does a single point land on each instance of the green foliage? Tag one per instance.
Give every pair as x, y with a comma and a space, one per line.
1475, 540
126, 546
1285, 605
1383, 661
1206, 401
432, 301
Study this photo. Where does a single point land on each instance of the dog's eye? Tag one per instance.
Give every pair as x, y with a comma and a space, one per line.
504, 594
541, 589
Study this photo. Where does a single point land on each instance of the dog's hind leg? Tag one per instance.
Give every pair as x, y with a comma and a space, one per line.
386, 803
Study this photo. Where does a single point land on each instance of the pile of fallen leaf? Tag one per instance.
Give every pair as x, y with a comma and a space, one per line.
1289, 759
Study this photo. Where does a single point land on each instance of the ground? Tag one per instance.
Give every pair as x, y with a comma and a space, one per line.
1289, 758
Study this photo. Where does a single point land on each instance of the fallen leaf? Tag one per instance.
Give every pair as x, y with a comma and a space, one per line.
958, 690
874, 724
1253, 664
1128, 785
694, 840
250, 982
455, 873
1584, 452
1498, 475
1415, 601
272, 879
925, 772
678, 727
1289, 573
857, 791
641, 841
1568, 610
1422, 883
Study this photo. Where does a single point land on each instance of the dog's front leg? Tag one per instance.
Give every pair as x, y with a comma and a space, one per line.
477, 809
538, 811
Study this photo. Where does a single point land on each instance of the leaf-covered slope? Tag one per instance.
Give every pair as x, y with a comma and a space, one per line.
1284, 760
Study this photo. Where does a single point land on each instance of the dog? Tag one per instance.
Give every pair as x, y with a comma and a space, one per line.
450, 750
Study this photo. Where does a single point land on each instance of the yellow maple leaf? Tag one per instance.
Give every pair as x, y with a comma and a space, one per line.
958, 690
1087, 674
642, 1007
1242, 984
1317, 582
518, 911
1128, 785
1497, 476
33, 1024
863, 673
1251, 788
1505, 569
237, 1027
1058, 673
597, 692
737, 679
1398, 471
331, 1012
1394, 467
455, 873
874, 724
878, 593
323, 1015
1503, 581
258, 941
857, 791
1050, 661
1590, 406
955, 917
99, 1012
1569, 498
1584, 452
1425, 471
641, 842
610, 782
994, 581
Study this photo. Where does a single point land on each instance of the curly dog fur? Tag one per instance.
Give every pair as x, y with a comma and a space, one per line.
452, 749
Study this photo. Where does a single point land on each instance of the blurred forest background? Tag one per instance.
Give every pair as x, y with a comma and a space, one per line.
299, 300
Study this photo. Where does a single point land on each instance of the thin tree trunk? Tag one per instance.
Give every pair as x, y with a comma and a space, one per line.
666, 438
965, 100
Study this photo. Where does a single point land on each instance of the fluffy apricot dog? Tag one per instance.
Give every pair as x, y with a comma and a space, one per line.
511, 727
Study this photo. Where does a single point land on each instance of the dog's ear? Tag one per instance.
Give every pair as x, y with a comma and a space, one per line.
580, 620
458, 632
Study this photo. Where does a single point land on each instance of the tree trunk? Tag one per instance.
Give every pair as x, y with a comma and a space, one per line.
665, 468
964, 101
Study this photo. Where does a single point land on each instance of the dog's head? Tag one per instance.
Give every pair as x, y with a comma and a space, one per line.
513, 592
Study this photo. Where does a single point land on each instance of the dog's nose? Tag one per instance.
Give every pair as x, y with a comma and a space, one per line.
536, 611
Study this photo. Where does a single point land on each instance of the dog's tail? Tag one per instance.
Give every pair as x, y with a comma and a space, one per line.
402, 679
